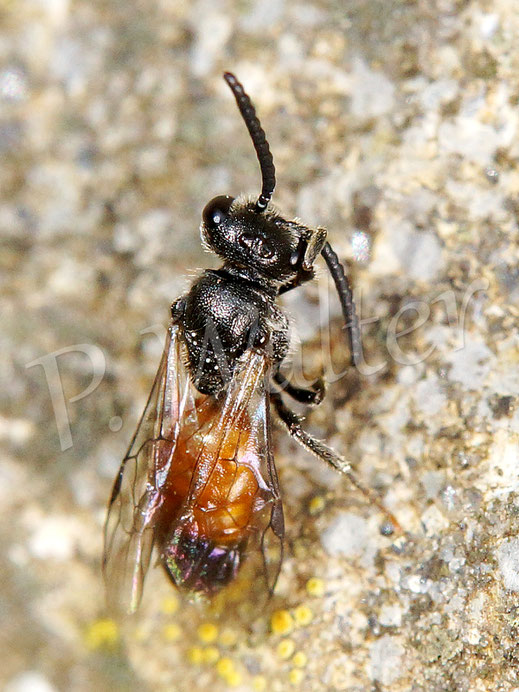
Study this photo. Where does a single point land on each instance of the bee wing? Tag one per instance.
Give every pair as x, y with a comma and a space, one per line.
136, 497
268, 527
233, 488
232, 431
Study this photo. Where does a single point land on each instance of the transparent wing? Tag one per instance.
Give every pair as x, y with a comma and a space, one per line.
136, 498
231, 515
198, 480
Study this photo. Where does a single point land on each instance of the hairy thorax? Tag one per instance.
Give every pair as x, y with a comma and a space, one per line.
223, 316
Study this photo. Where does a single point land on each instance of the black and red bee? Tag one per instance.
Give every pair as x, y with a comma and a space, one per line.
199, 482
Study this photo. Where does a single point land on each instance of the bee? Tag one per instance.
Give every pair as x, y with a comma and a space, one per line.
198, 482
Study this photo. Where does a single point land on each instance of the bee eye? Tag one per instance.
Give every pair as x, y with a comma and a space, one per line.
217, 210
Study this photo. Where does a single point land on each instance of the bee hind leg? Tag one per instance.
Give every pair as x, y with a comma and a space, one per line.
293, 424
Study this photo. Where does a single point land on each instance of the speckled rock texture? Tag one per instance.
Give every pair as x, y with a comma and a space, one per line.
394, 124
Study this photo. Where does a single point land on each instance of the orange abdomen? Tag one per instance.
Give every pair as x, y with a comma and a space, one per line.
222, 505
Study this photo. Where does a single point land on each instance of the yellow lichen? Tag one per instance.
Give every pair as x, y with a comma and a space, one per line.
281, 622
233, 679
102, 633
296, 676
226, 670
299, 659
225, 666
316, 504
210, 654
259, 683
285, 648
207, 632
315, 587
195, 655
172, 632
303, 615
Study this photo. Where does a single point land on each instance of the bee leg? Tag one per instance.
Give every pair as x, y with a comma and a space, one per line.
293, 423
302, 277
178, 309
313, 395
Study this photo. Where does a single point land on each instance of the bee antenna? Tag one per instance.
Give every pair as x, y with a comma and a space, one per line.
347, 303
259, 140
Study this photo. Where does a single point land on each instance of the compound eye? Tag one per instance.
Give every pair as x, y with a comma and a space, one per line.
216, 211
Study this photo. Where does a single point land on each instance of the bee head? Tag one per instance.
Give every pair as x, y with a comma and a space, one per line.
259, 241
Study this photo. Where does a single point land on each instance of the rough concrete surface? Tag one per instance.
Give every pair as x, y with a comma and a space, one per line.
394, 124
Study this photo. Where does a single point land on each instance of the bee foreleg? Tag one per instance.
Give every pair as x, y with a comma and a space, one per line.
177, 310
313, 395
